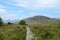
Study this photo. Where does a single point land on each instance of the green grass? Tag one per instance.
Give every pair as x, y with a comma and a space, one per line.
46, 31
12, 32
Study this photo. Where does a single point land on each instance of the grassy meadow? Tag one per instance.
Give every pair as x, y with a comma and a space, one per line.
12, 32
47, 31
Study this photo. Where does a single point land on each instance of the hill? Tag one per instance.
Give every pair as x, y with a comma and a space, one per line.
40, 19
35, 19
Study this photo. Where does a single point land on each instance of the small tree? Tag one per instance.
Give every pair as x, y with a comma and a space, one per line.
1, 22
22, 22
9, 23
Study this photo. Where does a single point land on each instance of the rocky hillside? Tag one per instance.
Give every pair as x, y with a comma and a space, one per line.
40, 19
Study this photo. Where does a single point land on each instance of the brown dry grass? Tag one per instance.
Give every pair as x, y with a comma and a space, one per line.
12, 32
46, 31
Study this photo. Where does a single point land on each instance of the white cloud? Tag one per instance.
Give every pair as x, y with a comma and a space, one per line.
10, 16
5, 15
2, 11
32, 14
36, 4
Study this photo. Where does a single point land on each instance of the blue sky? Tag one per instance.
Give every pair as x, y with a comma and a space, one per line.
20, 9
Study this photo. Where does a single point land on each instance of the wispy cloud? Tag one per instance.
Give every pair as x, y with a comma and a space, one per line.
14, 9
35, 4
5, 15
2, 11
9, 16
32, 14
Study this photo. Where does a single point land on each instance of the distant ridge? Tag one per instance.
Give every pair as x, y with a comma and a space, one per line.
35, 19
40, 19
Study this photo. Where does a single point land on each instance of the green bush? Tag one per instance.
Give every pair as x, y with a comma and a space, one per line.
22, 22
9, 23
1, 22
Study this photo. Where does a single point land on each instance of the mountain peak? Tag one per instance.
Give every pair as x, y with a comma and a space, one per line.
39, 19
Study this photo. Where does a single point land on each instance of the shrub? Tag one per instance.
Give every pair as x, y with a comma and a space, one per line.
1, 22
9, 23
22, 22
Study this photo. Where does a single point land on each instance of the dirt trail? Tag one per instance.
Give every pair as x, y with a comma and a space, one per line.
29, 35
